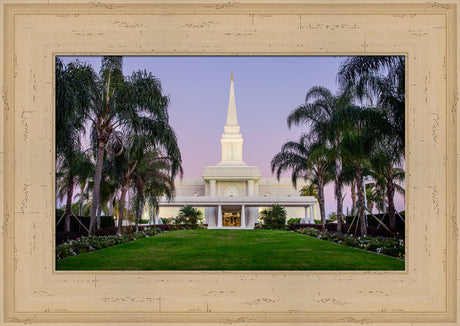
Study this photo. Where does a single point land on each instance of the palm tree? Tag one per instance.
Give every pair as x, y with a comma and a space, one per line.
372, 197
309, 190
386, 166
83, 195
189, 215
160, 183
152, 181
119, 103
140, 166
361, 128
71, 168
320, 105
380, 79
71, 99
305, 159
274, 216
72, 165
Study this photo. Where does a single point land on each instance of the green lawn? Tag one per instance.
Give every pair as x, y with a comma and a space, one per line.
230, 250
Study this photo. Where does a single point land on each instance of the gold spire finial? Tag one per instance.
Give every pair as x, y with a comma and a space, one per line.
231, 76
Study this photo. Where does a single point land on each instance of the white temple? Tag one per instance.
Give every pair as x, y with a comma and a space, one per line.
232, 192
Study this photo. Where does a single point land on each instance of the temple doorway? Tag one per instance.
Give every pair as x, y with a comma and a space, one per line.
231, 217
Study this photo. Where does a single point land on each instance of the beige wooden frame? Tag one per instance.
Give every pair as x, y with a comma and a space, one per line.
34, 31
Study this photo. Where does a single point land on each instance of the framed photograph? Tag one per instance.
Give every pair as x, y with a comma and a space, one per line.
35, 32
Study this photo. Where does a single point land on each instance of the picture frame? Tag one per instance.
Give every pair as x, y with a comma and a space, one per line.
35, 31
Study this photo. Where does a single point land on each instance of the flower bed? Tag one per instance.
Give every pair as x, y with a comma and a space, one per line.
87, 244
386, 246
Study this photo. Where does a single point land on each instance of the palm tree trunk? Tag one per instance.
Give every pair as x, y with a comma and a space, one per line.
80, 210
97, 187
391, 204
353, 198
121, 215
68, 206
110, 204
370, 205
361, 212
98, 219
338, 195
321, 202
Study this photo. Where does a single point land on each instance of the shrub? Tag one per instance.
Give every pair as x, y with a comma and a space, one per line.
387, 246
189, 215
165, 220
273, 217
87, 244
294, 220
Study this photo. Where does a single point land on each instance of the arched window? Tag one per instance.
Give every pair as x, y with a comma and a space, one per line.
231, 153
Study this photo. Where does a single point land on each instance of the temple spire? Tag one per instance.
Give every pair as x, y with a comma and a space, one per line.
232, 141
232, 119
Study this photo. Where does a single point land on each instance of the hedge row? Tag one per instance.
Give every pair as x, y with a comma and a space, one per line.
386, 246
371, 230
86, 244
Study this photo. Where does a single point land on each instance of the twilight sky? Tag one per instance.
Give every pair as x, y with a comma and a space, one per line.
267, 89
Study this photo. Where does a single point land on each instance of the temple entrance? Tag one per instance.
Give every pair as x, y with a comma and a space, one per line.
231, 217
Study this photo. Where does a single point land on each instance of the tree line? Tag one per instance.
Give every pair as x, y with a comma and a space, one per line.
129, 146
358, 132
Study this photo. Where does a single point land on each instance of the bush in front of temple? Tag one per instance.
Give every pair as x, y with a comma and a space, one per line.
273, 217
189, 215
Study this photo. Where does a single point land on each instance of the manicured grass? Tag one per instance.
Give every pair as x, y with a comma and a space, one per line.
230, 250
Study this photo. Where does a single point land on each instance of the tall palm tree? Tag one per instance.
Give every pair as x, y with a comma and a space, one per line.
361, 128
305, 159
140, 167
155, 168
72, 165
387, 167
152, 181
381, 79
320, 105
72, 98
123, 103
71, 168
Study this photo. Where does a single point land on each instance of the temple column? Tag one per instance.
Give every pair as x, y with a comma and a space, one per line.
307, 210
212, 188
312, 212
219, 216
250, 187
243, 216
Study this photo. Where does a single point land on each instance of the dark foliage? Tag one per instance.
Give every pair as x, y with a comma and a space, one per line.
371, 230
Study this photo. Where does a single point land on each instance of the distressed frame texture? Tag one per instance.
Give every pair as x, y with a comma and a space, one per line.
34, 32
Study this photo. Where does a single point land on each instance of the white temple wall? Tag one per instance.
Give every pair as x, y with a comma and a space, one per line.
252, 216
168, 212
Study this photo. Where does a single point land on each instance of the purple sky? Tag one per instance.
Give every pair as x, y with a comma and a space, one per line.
267, 89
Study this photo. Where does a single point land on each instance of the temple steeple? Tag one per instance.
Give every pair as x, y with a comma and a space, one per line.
232, 141
232, 120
